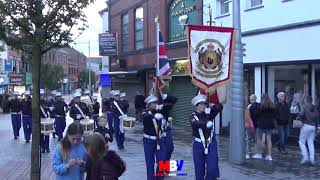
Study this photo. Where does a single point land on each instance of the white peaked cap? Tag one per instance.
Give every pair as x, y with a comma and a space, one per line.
151, 99
54, 92
77, 94
199, 98
27, 93
87, 92
15, 93
58, 94
42, 91
94, 97
122, 94
116, 92
111, 92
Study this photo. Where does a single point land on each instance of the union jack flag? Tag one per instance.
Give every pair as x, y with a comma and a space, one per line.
164, 70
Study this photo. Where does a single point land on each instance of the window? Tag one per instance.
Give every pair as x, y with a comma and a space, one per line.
254, 3
125, 33
139, 28
223, 6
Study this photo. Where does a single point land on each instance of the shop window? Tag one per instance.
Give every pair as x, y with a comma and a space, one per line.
289, 79
223, 7
254, 3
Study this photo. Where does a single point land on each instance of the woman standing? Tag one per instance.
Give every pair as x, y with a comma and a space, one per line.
265, 124
70, 155
310, 118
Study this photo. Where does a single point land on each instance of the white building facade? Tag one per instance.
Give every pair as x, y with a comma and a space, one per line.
280, 38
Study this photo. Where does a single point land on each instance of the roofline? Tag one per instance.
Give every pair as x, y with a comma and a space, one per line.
103, 10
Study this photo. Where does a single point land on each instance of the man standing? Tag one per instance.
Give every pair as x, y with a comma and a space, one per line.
139, 105
50, 102
95, 110
15, 109
116, 113
106, 108
59, 112
27, 116
283, 112
124, 103
44, 113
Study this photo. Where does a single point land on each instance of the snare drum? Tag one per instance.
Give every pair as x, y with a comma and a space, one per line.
47, 126
127, 122
87, 126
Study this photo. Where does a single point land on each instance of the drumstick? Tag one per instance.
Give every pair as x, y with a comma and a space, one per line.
80, 111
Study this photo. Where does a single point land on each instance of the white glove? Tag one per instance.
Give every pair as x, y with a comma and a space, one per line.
158, 116
78, 116
159, 107
51, 108
209, 124
87, 117
207, 110
107, 136
164, 96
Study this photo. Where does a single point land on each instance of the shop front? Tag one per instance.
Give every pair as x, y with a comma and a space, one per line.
28, 81
16, 83
4, 82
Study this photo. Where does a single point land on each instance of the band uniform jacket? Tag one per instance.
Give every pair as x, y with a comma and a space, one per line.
203, 119
74, 111
60, 108
15, 105
26, 106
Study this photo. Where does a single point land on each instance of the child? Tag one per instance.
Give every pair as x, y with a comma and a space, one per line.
101, 128
102, 164
249, 126
70, 155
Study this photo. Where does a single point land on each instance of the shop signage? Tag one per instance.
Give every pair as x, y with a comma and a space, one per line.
28, 79
16, 78
181, 12
108, 44
8, 66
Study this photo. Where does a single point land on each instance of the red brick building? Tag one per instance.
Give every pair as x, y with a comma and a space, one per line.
134, 23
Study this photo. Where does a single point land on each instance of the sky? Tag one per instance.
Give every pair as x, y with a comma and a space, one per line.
91, 34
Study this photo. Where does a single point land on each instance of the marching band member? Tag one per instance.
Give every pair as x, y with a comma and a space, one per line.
96, 110
51, 100
107, 106
124, 103
78, 106
59, 112
27, 116
44, 113
153, 138
117, 111
166, 105
15, 109
204, 145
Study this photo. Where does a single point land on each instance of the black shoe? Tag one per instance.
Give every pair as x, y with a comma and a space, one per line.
48, 150
284, 151
43, 151
15, 138
27, 141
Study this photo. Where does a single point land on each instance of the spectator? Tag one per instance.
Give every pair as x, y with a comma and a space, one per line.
139, 105
266, 117
102, 164
249, 125
282, 118
310, 118
70, 155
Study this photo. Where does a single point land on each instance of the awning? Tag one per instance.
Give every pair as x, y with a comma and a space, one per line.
122, 72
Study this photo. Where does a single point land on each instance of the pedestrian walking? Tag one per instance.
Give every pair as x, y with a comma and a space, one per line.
77, 108
282, 118
27, 116
139, 105
310, 118
266, 118
154, 143
44, 113
205, 148
124, 103
102, 163
102, 129
15, 109
250, 131
69, 157
60, 108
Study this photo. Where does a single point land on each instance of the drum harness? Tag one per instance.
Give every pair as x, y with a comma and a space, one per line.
202, 140
79, 109
121, 120
43, 112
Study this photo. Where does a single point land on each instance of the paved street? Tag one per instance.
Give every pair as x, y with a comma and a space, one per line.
15, 159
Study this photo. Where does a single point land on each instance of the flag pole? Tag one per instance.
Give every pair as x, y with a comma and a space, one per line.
157, 93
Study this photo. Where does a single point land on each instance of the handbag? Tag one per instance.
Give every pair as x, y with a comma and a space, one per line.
297, 123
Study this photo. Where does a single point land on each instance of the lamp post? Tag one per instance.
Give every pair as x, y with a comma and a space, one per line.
237, 148
89, 69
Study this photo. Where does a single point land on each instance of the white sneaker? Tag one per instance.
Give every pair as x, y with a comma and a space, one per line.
257, 156
247, 156
269, 158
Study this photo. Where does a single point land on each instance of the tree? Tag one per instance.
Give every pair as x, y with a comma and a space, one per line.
52, 76
35, 27
84, 78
